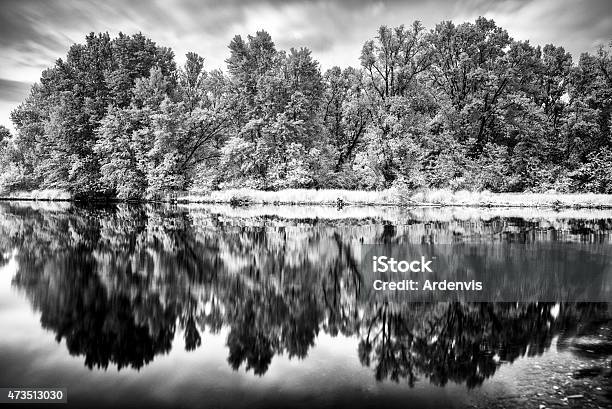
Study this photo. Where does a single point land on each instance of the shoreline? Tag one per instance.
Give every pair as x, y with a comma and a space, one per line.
342, 198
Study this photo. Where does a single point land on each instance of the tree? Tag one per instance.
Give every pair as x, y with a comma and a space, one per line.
277, 98
394, 65
5, 134
463, 106
472, 70
63, 112
394, 61
123, 147
590, 108
346, 115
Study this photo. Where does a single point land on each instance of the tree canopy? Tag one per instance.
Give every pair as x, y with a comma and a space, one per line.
459, 106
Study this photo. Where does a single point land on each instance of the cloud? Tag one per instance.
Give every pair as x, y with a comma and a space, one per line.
579, 26
13, 91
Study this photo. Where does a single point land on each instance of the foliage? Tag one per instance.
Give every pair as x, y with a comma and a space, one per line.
461, 106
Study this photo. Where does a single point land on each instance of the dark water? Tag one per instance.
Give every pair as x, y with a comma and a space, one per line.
268, 307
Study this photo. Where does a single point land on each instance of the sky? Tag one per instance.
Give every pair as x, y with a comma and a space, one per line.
34, 33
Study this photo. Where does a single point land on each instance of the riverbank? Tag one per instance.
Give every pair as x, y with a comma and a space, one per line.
42, 195
393, 197
388, 197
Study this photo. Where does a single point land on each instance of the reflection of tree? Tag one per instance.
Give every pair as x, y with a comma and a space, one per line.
116, 283
214, 318
103, 327
263, 324
341, 286
456, 342
4, 258
250, 341
192, 336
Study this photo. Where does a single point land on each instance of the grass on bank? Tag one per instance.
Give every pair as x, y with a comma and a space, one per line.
439, 197
43, 194
388, 197
295, 196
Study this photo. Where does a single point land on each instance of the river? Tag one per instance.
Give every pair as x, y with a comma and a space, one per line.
269, 306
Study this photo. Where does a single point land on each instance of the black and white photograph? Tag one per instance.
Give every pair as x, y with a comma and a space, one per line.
306, 204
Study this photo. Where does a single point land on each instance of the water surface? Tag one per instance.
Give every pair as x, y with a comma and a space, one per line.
213, 306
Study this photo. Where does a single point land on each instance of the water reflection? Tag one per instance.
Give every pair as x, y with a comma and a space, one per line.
119, 284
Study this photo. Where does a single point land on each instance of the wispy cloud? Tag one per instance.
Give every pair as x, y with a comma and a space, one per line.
33, 33
13, 91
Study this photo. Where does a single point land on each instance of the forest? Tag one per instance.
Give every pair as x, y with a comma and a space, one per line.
460, 106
